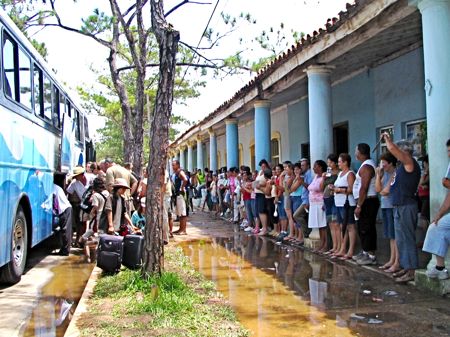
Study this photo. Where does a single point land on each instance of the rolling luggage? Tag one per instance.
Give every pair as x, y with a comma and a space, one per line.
133, 246
110, 252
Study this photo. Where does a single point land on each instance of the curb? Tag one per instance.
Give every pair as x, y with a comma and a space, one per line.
82, 307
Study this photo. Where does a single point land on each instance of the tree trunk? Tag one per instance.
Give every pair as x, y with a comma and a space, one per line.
159, 138
125, 107
128, 154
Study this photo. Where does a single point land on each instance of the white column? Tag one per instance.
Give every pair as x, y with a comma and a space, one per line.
320, 112
200, 164
190, 158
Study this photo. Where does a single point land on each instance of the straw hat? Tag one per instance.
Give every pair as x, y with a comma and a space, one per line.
77, 171
120, 182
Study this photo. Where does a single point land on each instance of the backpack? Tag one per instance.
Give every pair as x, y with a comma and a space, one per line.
86, 200
103, 222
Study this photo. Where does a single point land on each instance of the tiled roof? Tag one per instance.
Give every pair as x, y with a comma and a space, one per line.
330, 26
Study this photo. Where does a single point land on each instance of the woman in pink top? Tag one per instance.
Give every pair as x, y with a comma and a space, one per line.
317, 215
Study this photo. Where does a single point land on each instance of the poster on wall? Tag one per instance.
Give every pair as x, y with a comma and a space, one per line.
417, 135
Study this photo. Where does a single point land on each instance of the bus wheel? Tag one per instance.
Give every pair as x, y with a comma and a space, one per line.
12, 272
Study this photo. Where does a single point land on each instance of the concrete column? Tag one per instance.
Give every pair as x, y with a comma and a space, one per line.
436, 50
320, 112
190, 157
200, 153
212, 150
182, 158
262, 131
232, 143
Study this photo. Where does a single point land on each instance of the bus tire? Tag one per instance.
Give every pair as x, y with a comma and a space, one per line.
12, 272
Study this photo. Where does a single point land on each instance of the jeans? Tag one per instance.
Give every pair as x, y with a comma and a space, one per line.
249, 211
405, 223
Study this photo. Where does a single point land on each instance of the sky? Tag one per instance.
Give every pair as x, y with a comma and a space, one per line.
72, 55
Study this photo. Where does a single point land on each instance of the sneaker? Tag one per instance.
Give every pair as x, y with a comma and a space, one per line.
244, 224
367, 260
248, 229
359, 256
439, 274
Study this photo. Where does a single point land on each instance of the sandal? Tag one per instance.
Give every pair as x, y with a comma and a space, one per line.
393, 271
345, 257
399, 273
385, 266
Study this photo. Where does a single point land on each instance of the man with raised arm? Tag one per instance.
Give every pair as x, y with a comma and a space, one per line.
403, 190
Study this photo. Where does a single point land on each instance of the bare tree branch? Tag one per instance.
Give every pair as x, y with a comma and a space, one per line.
187, 64
105, 43
196, 52
184, 2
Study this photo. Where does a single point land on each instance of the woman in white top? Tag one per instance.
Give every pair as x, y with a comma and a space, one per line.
343, 191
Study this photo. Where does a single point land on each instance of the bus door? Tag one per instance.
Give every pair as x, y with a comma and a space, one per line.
67, 144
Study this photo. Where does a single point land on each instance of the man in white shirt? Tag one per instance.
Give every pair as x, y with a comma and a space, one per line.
63, 209
77, 187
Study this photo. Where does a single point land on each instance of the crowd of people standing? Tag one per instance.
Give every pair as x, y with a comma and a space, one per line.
289, 200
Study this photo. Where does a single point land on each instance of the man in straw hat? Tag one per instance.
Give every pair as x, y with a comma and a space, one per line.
403, 190
76, 189
118, 218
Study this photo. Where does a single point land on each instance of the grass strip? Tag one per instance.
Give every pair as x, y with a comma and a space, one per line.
179, 303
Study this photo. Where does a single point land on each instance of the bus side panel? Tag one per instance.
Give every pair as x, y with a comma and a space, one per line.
24, 172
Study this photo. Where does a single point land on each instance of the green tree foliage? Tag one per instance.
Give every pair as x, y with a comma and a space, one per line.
17, 12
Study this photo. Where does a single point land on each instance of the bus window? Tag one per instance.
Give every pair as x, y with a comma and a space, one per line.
24, 79
86, 128
78, 126
47, 98
69, 108
9, 74
55, 107
38, 103
62, 105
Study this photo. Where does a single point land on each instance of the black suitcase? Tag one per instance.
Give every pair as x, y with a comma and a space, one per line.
133, 246
110, 252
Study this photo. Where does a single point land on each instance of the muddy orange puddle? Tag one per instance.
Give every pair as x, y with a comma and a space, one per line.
262, 302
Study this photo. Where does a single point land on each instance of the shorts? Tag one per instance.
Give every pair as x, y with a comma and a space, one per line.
214, 199
260, 204
350, 215
388, 223
281, 210
330, 209
180, 206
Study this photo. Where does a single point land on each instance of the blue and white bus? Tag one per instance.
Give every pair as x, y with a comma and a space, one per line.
42, 132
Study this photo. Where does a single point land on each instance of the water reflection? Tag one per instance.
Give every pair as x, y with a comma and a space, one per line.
274, 289
59, 297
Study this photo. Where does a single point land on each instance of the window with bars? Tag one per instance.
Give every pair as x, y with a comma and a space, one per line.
275, 151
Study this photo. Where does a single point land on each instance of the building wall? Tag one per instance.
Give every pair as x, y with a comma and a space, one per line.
246, 136
221, 147
399, 93
279, 123
353, 103
390, 94
297, 128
